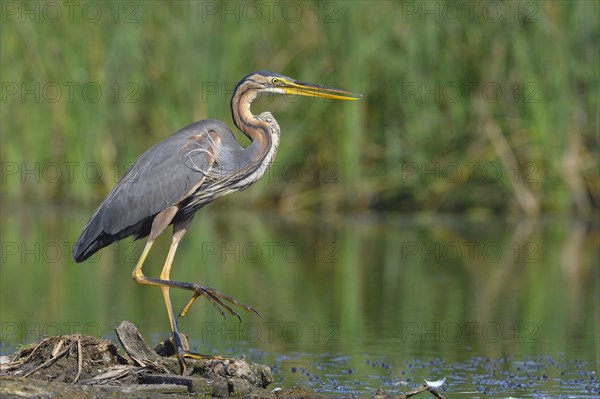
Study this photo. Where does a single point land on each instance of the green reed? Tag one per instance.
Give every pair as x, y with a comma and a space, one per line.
445, 97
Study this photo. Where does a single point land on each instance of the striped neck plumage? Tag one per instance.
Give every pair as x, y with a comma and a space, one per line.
253, 126
262, 130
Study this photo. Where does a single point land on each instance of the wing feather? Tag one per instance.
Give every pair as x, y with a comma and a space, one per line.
163, 176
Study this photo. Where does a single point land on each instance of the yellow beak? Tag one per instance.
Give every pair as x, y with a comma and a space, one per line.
314, 90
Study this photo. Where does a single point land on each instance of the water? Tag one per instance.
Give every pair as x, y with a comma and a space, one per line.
347, 304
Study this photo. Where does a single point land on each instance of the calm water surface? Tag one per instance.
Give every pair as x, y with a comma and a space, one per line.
348, 304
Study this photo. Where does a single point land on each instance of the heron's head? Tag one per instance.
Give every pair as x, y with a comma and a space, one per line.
263, 82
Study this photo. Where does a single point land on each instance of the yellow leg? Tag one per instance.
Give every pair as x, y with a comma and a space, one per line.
137, 274
164, 282
139, 277
166, 271
216, 298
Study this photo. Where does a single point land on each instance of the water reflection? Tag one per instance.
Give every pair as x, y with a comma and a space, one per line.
348, 299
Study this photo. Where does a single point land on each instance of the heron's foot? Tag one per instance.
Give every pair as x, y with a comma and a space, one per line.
217, 299
180, 352
200, 356
179, 348
185, 368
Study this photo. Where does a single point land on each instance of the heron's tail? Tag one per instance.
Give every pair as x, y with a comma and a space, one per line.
94, 236
91, 240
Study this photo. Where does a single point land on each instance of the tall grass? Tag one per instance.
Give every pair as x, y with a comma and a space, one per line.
414, 143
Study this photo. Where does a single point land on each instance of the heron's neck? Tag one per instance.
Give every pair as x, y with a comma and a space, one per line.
262, 129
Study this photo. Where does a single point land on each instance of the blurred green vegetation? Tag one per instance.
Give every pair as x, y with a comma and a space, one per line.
484, 108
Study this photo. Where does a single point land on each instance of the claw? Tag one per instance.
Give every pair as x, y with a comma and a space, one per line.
217, 299
214, 303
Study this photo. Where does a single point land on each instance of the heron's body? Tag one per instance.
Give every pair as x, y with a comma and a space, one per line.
171, 181
206, 153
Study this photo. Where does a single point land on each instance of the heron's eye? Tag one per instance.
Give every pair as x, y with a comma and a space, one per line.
275, 81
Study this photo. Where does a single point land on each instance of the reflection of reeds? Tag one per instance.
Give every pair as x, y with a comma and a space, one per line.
367, 280
158, 74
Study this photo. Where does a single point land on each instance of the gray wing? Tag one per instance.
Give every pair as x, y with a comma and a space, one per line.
163, 176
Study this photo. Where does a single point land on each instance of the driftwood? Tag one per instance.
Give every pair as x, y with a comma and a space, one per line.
87, 367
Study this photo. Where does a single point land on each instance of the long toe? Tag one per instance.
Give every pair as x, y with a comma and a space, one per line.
217, 299
200, 356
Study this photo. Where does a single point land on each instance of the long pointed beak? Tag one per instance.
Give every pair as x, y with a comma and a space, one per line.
314, 90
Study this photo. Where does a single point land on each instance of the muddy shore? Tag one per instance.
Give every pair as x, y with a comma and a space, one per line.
88, 367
